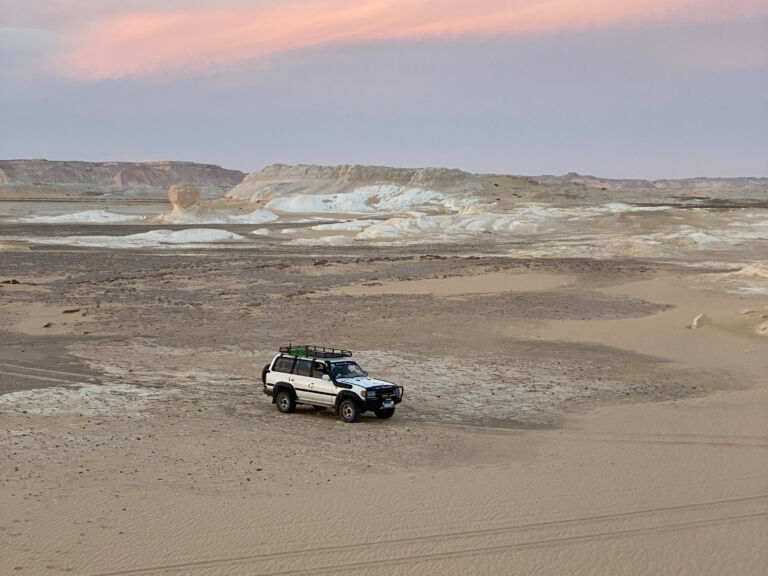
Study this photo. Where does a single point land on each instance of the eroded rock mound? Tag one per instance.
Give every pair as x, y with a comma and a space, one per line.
183, 196
187, 207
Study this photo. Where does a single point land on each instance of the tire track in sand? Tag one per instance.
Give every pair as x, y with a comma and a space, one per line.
43, 373
398, 545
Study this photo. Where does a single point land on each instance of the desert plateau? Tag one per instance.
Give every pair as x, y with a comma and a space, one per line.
584, 363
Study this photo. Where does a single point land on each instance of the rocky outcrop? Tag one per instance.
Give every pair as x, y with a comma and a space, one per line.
183, 196
117, 177
185, 200
700, 321
284, 180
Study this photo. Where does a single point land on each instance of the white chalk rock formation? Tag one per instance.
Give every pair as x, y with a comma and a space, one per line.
183, 196
700, 321
358, 189
188, 208
185, 200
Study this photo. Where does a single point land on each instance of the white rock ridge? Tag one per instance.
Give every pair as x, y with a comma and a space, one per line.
354, 188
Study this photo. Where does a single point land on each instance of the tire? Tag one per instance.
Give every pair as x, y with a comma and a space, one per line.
385, 413
349, 410
284, 401
264, 372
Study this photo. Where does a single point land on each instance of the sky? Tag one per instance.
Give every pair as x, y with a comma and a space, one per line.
614, 88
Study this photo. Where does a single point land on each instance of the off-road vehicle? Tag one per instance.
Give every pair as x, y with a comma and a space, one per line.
327, 378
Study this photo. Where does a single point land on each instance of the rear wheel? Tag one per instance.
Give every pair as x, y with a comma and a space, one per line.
385, 412
285, 402
349, 410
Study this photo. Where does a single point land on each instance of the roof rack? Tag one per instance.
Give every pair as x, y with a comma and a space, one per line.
307, 351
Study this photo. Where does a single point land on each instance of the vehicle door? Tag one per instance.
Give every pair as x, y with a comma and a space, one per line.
323, 388
302, 380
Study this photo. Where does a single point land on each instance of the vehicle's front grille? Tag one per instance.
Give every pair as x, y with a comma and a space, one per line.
381, 393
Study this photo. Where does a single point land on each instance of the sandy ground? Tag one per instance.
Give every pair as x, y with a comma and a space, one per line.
561, 415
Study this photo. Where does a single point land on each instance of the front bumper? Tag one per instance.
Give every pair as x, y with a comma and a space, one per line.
382, 396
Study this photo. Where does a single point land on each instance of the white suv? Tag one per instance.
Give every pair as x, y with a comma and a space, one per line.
327, 378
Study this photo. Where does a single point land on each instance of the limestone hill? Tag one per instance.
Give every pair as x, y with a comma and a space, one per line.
284, 180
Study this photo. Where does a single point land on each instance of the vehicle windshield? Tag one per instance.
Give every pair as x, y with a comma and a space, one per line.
347, 370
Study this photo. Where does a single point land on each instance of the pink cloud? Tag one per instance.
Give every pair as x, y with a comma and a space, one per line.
151, 43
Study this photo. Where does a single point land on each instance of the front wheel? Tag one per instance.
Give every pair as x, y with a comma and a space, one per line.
285, 402
385, 412
349, 410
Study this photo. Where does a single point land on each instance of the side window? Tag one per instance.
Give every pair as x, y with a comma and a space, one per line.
318, 369
284, 364
303, 367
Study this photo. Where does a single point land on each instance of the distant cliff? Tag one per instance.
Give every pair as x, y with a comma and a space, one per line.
707, 184
116, 177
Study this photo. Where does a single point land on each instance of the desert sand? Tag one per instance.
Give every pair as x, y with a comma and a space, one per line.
563, 412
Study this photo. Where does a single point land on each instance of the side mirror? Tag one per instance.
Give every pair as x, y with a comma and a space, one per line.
326, 377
